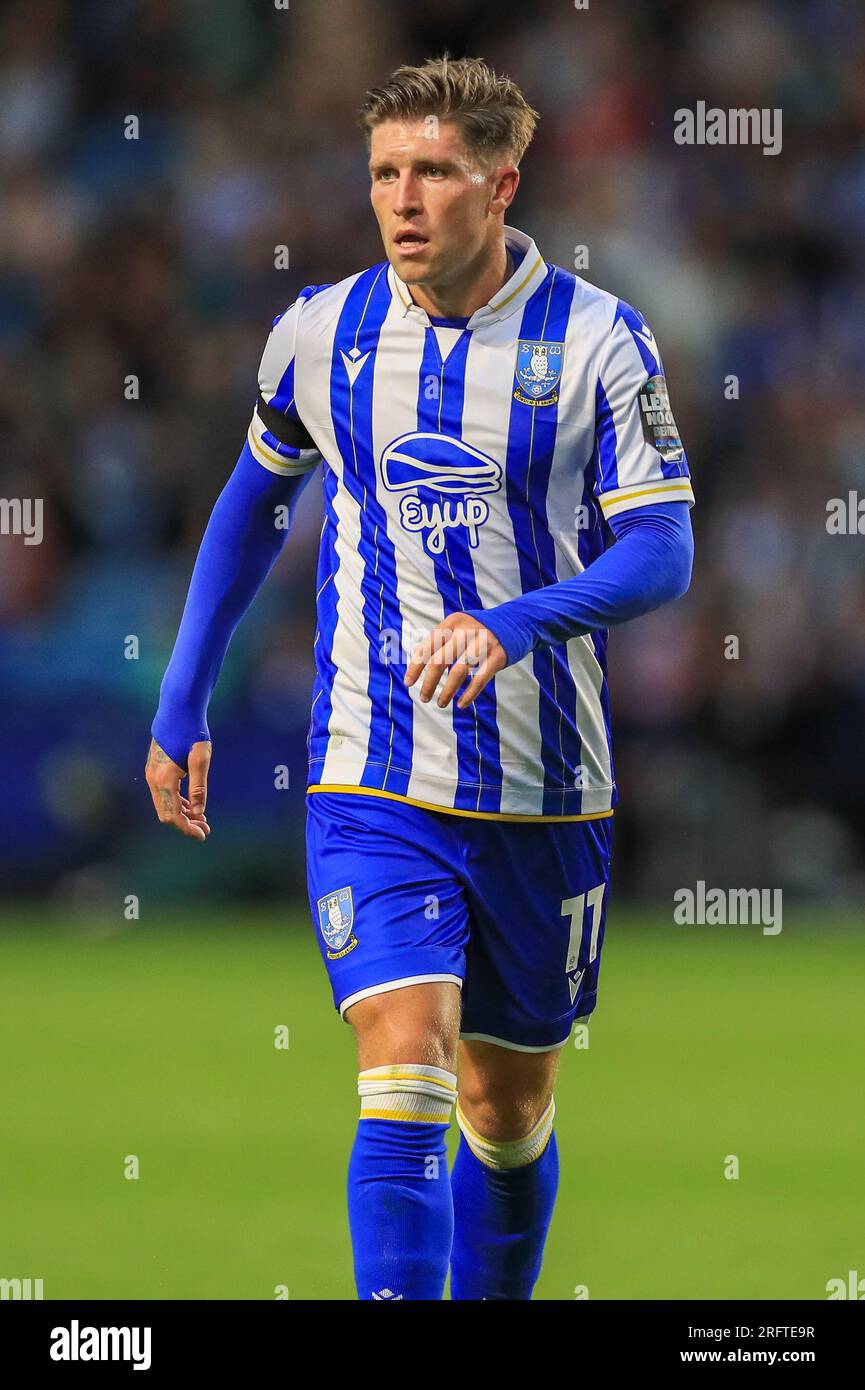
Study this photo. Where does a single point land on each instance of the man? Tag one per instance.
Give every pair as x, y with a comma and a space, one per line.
484, 422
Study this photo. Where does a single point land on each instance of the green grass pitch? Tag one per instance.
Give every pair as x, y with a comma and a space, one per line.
156, 1039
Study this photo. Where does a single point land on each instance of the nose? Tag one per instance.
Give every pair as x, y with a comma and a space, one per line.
406, 201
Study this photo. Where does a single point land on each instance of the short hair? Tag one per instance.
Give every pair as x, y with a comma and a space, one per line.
493, 116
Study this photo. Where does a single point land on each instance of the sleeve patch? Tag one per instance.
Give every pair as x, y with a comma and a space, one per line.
659, 427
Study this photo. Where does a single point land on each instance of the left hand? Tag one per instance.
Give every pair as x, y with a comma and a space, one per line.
468, 648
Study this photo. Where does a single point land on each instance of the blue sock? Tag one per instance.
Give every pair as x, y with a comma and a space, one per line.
400, 1209
501, 1219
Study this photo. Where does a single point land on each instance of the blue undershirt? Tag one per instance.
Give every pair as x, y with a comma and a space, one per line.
649, 564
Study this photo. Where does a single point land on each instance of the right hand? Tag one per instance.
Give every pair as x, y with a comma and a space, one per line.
164, 776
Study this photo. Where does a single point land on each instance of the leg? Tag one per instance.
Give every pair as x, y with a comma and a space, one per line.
506, 1171
392, 924
399, 1197
537, 897
419, 1023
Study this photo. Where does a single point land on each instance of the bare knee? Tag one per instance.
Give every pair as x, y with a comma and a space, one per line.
504, 1095
502, 1117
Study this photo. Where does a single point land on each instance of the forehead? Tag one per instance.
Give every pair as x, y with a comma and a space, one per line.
405, 142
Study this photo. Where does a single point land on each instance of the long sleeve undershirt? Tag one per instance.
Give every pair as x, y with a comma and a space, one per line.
238, 550
649, 564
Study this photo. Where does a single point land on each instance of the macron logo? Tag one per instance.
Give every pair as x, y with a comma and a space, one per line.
574, 984
353, 363
646, 335
76, 1343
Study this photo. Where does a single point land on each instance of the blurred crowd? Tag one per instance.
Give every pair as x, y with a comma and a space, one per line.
137, 286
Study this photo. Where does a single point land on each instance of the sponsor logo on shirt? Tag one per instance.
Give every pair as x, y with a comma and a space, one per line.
441, 481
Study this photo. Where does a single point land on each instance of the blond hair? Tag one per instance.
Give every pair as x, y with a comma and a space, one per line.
494, 118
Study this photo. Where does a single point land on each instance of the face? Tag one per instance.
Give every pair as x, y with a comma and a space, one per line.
438, 208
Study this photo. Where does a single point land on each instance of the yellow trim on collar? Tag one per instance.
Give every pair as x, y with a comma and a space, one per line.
500, 304
494, 304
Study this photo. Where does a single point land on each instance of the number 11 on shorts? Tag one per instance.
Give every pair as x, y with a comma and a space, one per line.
575, 908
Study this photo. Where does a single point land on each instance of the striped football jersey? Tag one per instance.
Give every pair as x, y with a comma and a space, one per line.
464, 463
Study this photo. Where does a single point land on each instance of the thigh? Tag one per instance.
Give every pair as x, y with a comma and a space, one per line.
388, 908
417, 1023
537, 897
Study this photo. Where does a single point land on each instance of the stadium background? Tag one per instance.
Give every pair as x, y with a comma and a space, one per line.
154, 257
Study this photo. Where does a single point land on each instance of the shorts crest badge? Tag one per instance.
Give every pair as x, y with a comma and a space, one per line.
538, 372
336, 919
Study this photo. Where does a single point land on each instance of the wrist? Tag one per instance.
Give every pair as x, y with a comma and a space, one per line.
515, 638
176, 727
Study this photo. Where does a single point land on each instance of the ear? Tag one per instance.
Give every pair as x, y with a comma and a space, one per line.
506, 181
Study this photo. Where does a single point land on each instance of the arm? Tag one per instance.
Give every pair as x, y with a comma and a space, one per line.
246, 532
240, 546
649, 565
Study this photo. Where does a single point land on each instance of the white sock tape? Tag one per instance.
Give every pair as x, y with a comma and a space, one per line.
407, 1091
510, 1153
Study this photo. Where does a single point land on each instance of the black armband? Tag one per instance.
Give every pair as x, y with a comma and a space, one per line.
284, 428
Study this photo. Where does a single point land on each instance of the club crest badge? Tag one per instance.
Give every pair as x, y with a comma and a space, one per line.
538, 372
335, 920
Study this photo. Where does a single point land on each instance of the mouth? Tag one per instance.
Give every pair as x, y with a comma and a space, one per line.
408, 242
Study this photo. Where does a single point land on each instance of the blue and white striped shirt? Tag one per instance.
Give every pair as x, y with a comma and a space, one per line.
464, 463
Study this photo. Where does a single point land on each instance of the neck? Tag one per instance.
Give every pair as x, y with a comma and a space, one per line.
459, 299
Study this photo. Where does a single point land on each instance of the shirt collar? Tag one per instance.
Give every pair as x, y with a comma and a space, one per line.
514, 293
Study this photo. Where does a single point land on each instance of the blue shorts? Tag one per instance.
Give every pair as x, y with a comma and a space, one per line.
513, 911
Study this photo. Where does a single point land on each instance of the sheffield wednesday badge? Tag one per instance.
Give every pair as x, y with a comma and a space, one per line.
336, 919
538, 372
